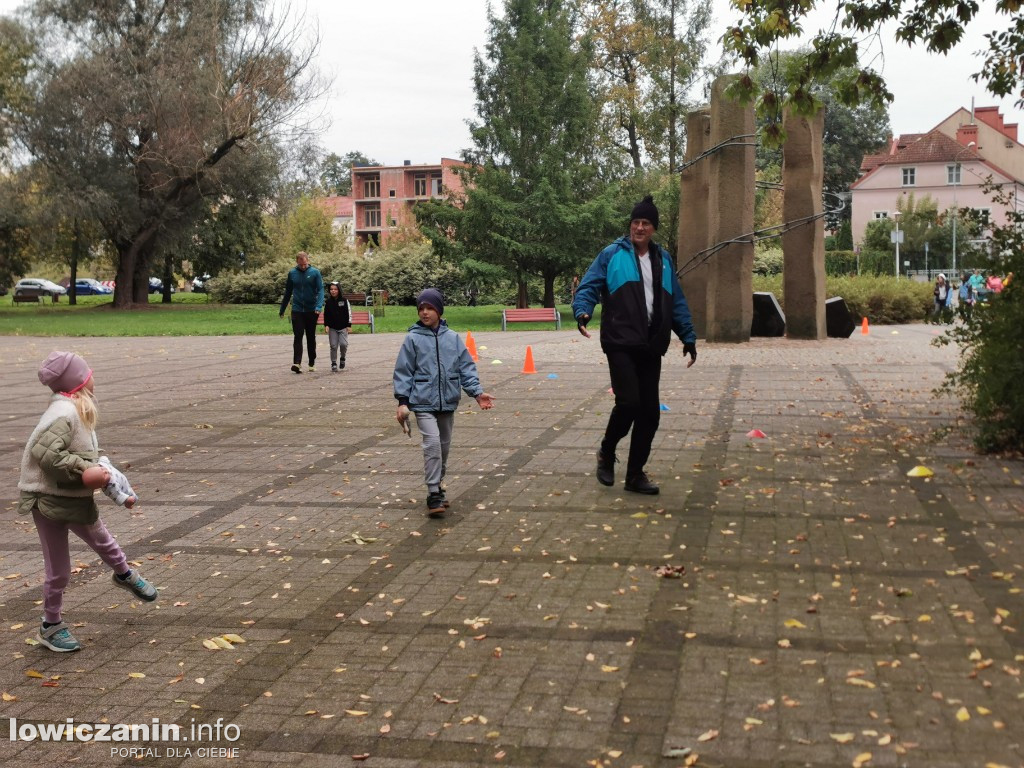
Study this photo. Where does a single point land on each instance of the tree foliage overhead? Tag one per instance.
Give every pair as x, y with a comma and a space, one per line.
147, 109
938, 25
647, 57
16, 52
850, 131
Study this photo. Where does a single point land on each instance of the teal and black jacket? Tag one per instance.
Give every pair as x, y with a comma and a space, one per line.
614, 280
305, 290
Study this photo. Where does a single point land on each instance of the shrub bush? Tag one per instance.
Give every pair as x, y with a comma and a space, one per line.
882, 300
768, 262
990, 379
840, 263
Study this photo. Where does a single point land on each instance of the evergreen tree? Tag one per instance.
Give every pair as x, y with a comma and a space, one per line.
533, 204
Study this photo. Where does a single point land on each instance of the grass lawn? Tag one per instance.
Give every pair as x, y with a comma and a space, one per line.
191, 314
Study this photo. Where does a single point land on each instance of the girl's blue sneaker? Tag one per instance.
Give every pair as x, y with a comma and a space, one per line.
137, 585
58, 638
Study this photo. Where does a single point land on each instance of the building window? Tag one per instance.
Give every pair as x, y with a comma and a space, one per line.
982, 215
953, 174
371, 186
391, 193
371, 217
881, 214
420, 185
435, 184
394, 222
909, 177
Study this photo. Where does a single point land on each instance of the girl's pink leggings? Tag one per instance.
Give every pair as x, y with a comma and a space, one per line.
53, 536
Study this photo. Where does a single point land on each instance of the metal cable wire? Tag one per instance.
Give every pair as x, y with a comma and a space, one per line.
767, 233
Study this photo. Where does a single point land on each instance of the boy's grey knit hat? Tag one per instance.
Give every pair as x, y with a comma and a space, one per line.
433, 297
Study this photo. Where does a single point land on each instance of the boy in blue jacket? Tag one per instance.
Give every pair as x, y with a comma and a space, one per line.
433, 367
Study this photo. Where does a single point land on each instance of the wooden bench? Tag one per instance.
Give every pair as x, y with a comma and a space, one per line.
355, 298
356, 317
539, 315
34, 296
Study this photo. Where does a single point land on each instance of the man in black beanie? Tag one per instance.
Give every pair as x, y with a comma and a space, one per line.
642, 304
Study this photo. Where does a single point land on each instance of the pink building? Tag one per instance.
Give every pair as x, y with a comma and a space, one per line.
949, 163
383, 196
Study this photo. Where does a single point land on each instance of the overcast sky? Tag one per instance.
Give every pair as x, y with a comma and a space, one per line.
402, 72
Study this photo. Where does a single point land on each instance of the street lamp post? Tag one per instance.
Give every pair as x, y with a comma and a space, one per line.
956, 183
896, 238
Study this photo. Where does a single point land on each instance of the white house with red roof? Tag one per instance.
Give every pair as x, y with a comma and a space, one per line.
340, 209
950, 163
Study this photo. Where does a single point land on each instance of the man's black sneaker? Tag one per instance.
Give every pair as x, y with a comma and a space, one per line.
640, 483
435, 504
296, 369
605, 469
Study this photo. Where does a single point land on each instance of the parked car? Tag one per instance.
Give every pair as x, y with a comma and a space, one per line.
38, 286
199, 283
156, 285
86, 286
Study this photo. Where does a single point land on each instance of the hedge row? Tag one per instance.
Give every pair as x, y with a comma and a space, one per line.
882, 300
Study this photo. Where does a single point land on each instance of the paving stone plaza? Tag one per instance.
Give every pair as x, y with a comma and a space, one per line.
833, 610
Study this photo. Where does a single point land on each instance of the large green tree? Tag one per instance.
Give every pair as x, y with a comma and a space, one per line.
834, 51
533, 203
154, 107
647, 56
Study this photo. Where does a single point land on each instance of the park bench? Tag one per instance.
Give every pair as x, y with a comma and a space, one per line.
538, 315
355, 298
34, 296
356, 317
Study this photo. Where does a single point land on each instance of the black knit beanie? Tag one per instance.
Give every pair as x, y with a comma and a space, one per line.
433, 297
645, 209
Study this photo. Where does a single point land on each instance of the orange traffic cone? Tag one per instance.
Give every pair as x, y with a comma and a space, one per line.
471, 346
864, 326
528, 365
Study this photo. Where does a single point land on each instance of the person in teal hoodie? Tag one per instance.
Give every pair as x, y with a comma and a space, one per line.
432, 369
642, 304
305, 289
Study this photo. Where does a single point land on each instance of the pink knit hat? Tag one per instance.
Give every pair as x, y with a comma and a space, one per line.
65, 372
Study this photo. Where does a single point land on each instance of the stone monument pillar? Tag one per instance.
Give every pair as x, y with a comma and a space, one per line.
694, 234
730, 298
803, 247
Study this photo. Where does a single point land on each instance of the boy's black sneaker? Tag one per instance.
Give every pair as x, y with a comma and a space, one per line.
296, 368
605, 468
444, 498
640, 483
435, 504
341, 365
334, 368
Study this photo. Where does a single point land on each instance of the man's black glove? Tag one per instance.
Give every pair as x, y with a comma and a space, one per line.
690, 348
581, 324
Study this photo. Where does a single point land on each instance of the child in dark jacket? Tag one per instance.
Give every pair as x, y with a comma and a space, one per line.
433, 367
337, 321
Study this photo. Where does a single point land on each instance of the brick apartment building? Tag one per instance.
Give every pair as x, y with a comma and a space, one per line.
383, 195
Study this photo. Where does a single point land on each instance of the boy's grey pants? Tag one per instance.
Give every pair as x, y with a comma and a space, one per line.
436, 430
339, 341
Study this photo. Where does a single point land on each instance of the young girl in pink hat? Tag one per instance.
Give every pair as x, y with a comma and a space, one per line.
60, 470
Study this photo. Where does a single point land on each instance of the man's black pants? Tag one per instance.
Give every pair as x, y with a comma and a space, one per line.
304, 323
635, 377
